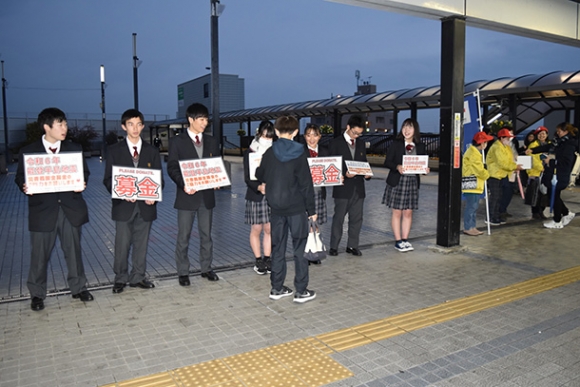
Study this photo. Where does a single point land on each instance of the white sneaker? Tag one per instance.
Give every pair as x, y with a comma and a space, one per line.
552, 224
408, 246
568, 218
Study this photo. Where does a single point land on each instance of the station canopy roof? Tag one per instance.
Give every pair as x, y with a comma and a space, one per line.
536, 96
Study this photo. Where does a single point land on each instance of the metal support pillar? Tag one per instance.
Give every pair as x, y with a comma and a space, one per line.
395, 122
337, 119
451, 130
5, 118
215, 82
414, 110
514, 112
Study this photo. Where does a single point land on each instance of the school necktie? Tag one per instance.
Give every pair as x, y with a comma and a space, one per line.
197, 142
313, 153
135, 153
53, 150
351, 142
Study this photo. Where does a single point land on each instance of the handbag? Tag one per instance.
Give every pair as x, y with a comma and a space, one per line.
315, 249
469, 182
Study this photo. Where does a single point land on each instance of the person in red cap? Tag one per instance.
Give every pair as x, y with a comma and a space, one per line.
500, 164
473, 166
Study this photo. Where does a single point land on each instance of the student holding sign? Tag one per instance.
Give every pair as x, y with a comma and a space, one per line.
189, 202
402, 190
54, 213
133, 216
258, 212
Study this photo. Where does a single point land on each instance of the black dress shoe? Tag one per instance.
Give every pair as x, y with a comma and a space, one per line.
84, 296
333, 252
184, 280
144, 284
210, 275
37, 304
118, 287
319, 262
353, 251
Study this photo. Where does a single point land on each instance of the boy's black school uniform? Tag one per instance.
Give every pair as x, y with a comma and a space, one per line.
49, 215
290, 194
132, 219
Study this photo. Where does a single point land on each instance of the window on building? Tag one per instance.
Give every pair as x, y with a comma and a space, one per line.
206, 90
380, 120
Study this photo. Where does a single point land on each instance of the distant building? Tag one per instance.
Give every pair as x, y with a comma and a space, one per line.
232, 97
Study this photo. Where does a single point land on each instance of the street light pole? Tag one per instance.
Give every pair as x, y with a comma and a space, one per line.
135, 75
5, 117
216, 10
103, 149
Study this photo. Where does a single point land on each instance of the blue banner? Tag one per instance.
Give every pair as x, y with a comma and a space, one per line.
470, 120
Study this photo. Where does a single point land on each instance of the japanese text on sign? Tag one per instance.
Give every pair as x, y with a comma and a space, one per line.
325, 171
136, 183
415, 164
202, 174
358, 168
60, 172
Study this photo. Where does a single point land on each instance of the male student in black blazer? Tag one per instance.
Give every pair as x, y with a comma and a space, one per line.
194, 144
133, 218
52, 214
349, 197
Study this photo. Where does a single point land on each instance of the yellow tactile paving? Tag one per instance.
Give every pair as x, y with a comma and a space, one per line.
305, 363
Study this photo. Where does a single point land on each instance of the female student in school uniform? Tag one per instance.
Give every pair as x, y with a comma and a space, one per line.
402, 191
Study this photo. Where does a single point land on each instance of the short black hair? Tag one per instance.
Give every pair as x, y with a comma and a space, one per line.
49, 115
286, 124
356, 121
131, 113
312, 128
196, 110
266, 129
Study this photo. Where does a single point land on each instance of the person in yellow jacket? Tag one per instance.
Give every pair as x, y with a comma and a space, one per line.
500, 164
473, 166
541, 135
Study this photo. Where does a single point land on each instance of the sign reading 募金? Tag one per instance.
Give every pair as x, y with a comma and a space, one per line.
325, 171
136, 183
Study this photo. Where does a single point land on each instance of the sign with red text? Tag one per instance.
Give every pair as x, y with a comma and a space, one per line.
325, 171
415, 164
47, 173
201, 174
136, 183
358, 168
254, 160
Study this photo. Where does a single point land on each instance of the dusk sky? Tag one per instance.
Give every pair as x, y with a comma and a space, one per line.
286, 50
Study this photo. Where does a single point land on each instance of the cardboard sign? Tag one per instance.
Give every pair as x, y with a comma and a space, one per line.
415, 164
254, 160
325, 171
358, 167
48, 173
202, 174
136, 183
525, 161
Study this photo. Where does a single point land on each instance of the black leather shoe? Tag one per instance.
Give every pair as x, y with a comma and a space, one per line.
84, 296
184, 280
353, 251
144, 284
118, 287
210, 275
333, 252
37, 304
319, 262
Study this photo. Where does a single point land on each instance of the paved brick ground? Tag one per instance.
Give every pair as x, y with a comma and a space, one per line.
532, 342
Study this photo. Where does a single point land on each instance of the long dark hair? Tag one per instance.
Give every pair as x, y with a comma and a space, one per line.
416, 134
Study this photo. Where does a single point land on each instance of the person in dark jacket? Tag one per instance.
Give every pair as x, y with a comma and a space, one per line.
52, 214
402, 191
288, 188
257, 213
349, 198
133, 218
564, 148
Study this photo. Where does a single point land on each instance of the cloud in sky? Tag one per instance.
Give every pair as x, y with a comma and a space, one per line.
286, 50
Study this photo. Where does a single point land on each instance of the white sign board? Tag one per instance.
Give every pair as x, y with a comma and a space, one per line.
202, 174
47, 173
136, 183
415, 164
358, 167
325, 171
